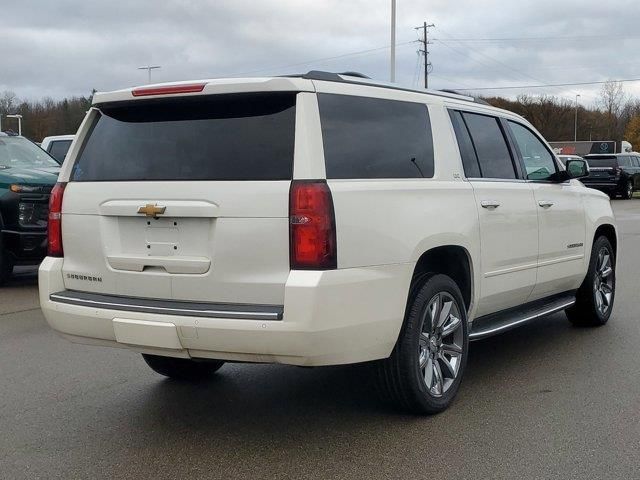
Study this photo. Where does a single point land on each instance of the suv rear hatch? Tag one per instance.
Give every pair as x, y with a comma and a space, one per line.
603, 168
183, 198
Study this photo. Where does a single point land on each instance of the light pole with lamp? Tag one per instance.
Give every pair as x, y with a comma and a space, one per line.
393, 42
19, 117
148, 68
575, 126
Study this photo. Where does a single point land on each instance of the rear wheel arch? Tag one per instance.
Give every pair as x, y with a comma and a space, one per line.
451, 260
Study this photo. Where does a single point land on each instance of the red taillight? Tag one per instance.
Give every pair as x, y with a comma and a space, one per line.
169, 89
312, 226
55, 221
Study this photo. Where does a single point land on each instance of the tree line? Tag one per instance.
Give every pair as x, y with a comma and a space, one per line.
42, 118
615, 115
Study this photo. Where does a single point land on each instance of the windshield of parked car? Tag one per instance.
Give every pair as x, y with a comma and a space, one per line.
19, 152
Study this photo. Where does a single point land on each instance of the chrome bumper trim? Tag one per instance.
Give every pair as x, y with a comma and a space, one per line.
170, 307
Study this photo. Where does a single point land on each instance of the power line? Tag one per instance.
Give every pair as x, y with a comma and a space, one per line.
519, 72
527, 39
573, 84
317, 60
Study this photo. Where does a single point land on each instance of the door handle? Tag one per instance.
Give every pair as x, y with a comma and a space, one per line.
545, 203
489, 204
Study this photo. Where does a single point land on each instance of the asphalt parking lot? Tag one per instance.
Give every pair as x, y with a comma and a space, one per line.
545, 401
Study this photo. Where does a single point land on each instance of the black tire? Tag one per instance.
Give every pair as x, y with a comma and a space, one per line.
400, 378
183, 368
587, 311
627, 192
6, 267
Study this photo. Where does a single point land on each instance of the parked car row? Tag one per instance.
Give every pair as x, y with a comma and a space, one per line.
615, 174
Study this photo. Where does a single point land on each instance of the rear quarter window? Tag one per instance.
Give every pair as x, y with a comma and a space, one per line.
374, 138
227, 137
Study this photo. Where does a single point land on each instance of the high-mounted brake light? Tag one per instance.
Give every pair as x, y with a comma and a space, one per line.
54, 230
169, 89
312, 226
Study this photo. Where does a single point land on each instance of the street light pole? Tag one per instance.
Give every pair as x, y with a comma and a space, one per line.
393, 41
575, 127
148, 68
19, 117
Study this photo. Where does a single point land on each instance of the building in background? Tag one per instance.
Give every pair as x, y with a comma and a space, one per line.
587, 147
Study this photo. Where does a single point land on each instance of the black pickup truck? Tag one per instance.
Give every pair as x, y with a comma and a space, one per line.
615, 174
27, 174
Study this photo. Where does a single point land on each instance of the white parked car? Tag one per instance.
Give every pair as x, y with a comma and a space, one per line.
318, 219
57, 146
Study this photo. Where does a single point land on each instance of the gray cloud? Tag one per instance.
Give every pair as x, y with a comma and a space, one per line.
68, 47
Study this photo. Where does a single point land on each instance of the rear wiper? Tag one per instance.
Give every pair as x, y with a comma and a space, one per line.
413, 160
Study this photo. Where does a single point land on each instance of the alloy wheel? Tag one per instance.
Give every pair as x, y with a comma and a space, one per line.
603, 281
440, 345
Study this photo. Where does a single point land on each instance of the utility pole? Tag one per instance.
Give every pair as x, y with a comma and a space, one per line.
148, 68
425, 50
392, 74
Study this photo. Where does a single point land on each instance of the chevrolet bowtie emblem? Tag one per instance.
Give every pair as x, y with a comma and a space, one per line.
151, 210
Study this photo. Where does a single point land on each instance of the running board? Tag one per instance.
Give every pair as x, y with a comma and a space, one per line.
499, 322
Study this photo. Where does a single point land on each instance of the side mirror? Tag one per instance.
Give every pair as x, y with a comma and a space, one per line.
577, 168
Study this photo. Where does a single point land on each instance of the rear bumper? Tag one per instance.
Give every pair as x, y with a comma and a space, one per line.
25, 248
603, 185
328, 318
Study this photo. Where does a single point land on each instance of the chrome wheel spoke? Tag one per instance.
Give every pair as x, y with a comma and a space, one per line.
428, 373
444, 313
438, 381
599, 299
448, 369
433, 310
606, 272
606, 289
451, 349
451, 326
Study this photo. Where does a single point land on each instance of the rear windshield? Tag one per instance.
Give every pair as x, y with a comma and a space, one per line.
230, 137
602, 161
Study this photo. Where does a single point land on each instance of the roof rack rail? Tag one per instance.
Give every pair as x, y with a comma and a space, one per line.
361, 79
456, 92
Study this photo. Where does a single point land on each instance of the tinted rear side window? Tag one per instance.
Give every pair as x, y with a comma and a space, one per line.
490, 146
231, 137
373, 138
59, 149
624, 161
469, 159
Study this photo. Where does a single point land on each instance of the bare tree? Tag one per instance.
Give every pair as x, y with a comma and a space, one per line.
8, 102
612, 101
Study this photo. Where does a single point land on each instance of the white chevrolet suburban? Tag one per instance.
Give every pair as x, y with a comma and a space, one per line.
318, 219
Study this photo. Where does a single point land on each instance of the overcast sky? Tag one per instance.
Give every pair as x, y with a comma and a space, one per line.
59, 48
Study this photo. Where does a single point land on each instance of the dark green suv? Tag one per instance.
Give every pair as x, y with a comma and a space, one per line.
615, 174
27, 174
